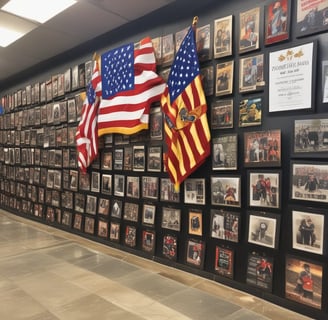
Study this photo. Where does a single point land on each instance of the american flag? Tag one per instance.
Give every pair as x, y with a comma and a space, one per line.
129, 86
187, 133
87, 131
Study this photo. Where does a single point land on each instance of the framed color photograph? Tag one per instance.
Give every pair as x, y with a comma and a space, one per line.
249, 37
148, 241
195, 253
139, 158
133, 187
223, 37
222, 114
250, 112
170, 247
154, 159
194, 191
156, 123
224, 78
207, 77
103, 206
102, 229
203, 42
224, 261
195, 222
130, 236
148, 214
149, 187
131, 211
225, 191
224, 155
171, 218
114, 233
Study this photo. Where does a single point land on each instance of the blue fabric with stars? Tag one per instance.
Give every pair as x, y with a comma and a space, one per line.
117, 70
91, 94
185, 66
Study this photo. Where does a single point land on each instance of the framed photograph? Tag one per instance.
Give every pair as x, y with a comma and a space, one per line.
133, 187
250, 112
308, 231
195, 222
224, 261
154, 159
89, 225
178, 37
226, 191
84, 181
91, 206
251, 75
324, 81
195, 253
312, 17
79, 202
309, 182
117, 208
264, 189
156, 123
74, 178
303, 281
114, 233
103, 206
131, 211
170, 247
67, 79
277, 21
130, 236
259, 271
95, 181
66, 218
148, 241
107, 160
167, 49
128, 158
149, 187
225, 225
194, 191
148, 214
78, 218
118, 159
106, 184
249, 33
263, 229
222, 37
292, 78
157, 45
207, 77
224, 155
71, 111
75, 78
224, 78
167, 191
102, 229
203, 42
171, 218
119, 185
222, 114
262, 148
139, 158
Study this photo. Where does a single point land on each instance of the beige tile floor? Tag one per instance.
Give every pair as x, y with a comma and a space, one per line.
48, 274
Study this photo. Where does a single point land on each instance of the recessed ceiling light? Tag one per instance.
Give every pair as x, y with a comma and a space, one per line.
8, 36
37, 10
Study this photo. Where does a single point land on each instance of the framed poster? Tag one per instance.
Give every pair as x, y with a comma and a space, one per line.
195, 222
195, 253
250, 112
249, 37
224, 78
130, 236
139, 158
194, 191
148, 241
225, 191
171, 218
222, 114
224, 155
291, 78
222, 37
118, 159
224, 262
170, 247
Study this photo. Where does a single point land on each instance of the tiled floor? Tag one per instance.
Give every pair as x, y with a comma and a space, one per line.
48, 274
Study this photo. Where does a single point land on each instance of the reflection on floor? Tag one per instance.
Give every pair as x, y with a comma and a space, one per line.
48, 274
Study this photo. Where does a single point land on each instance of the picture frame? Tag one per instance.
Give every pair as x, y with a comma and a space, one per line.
128, 158
226, 191
84, 181
264, 189
130, 236
139, 158
102, 229
178, 37
79, 202
89, 225
277, 21
91, 204
262, 148
167, 49
223, 37
308, 230
67, 80
225, 225
224, 152
156, 123
95, 181
148, 214
207, 77
118, 159
106, 184
250, 112
133, 187
170, 247
131, 211
114, 233
154, 159
311, 17
171, 218
119, 185
195, 222
66, 218
78, 219
222, 114
195, 253
263, 228
117, 207
203, 42
71, 111
194, 191
249, 33
103, 206
168, 192
107, 160
298, 271
308, 181
324, 67
224, 78
148, 241
224, 261
149, 187
157, 45
75, 78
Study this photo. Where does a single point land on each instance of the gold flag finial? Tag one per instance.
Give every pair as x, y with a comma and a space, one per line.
194, 21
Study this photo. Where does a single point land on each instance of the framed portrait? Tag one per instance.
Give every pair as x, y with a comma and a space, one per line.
114, 231
157, 45
225, 225
130, 236
117, 208
89, 225
170, 247
195, 218
224, 261
148, 241
308, 231
66, 218
195, 253
277, 21
207, 77
67, 80
251, 75
224, 78
149, 187
128, 158
139, 158
226, 191
312, 17
91, 206
262, 148
224, 152
119, 185
194, 191
118, 159
78, 219
74, 178
71, 111
250, 112
308, 181
103, 206
167, 191
79, 202
131, 211
171, 218
303, 281
264, 189
156, 123
222, 114
263, 229
107, 160
292, 78
148, 214
223, 37
249, 33
324, 81
102, 229
95, 181
84, 181
259, 271
203, 42
75, 78
133, 187
106, 184
154, 159
167, 49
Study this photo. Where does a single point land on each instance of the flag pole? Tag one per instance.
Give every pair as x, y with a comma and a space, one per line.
194, 25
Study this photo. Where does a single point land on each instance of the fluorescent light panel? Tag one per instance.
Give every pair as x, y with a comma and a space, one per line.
37, 10
8, 36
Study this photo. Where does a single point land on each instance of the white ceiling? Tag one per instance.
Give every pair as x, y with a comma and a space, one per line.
83, 21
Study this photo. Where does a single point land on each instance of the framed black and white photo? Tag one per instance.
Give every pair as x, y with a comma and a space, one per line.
139, 158
117, 209
203, 42
95, 181
324, 64
133, 187
194, 191
171, 218
224, 155
91, 206
148, 214
114, 231
107, 160
154, 159
119, 185
223, 37
225, 191
106, 184
167, 191
118, 159
103, 206
89, 225
131, 211
149, 187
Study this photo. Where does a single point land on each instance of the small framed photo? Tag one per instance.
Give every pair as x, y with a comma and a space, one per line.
156, 123
118, 159
195, 222
167, 49
249, 37
71, 111
194, 191
66, 219
167, 191
91, 206
224, 155
225, 225
95, 181
195, 253
308, 231
179, 36
170, 247
222, 114
263, 229
148, 214
119, 185
116, 209
103, 206
203, 42
148, 241
128, 158
102, 229
223, 37
89, 225
224, 78
114, 231
106, 184
79, 202
139, 158
250, 112
130, 236
171, 218
226, 191
133, 187
107, 160
303, 281
264, 189
67, 80
224, 261
262, 148
207, 77
131, 211
150, 187
154, 163
78, 218
75, 78
84, 181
